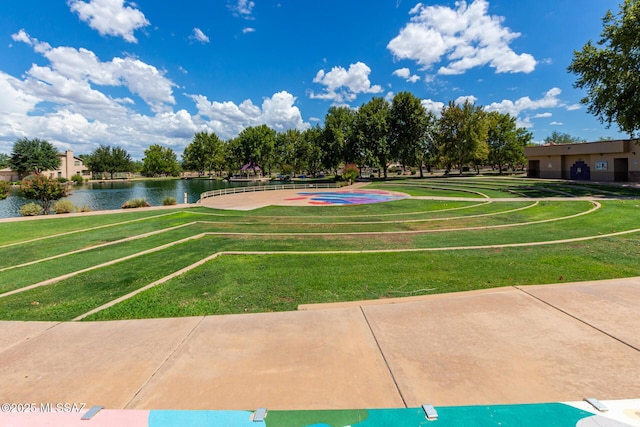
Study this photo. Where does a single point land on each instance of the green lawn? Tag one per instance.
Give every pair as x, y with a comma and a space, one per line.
276, 258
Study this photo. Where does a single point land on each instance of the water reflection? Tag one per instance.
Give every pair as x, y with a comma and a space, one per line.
112, 194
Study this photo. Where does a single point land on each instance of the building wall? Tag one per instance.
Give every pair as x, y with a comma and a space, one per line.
7, 174
604, 160
69, 166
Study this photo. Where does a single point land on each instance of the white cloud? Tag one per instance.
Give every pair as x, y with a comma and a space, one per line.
242, 8
466, 37
574, 107
542, 115
434, 106
280, 114
556, 123
345, 85
110, 17
248, 30
524, 123
22, 36
198, 35
462, 99
66, 102
405, 73
549, 100
12, 99
72, 71
228, 119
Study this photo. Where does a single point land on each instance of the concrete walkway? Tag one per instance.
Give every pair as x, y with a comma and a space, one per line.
507, 345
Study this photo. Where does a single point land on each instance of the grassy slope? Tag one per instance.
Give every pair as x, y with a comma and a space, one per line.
253, 283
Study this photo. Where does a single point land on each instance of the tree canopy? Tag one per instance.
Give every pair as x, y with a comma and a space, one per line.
255, 145
33, 156
463, 134
110, 160
506, 140
562, 138
338, 143
372, 125
409, 123
159, 160
204, 154
610, 70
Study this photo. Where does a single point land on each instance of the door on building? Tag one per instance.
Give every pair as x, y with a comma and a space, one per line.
580, 171
621, 170
533, 171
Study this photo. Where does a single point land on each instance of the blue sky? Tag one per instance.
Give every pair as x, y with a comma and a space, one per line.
85, 72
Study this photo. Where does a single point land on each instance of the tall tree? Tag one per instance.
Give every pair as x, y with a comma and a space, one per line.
4, 160
373, 132
610, 71
159, 160
256, 144
337, 141
204, 153
33, 156
310, 147
408, 122
463, 134
109, 160
285, 152
506, 140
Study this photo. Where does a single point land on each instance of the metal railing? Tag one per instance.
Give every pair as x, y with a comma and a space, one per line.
252, 189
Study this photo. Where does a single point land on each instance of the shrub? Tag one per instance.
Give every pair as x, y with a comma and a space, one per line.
30, 209
136, 203
63, 206
286, 169
77, 179
350, 172
168, 201
62, 179
5, 186
44, 190
84, 208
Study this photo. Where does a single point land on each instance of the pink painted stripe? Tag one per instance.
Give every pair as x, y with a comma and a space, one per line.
104, 418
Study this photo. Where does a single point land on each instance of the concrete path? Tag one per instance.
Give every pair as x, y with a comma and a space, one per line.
259, 199
508, 345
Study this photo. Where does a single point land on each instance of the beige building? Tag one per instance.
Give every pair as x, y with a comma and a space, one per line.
69, 166
592, 161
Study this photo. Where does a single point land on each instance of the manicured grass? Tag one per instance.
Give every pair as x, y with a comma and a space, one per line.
77, 295
19, 231
250, 284
247, 279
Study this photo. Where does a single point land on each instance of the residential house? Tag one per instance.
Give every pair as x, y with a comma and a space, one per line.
69, 166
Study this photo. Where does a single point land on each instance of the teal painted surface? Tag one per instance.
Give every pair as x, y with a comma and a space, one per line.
535, 415
201, 419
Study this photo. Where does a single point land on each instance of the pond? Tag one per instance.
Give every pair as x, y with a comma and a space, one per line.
112, 194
